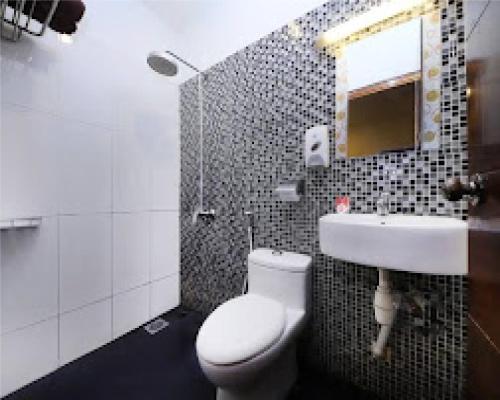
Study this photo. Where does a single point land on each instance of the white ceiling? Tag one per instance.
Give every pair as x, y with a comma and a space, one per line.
205, 32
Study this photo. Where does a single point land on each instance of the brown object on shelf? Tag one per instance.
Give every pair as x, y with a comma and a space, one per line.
66, 16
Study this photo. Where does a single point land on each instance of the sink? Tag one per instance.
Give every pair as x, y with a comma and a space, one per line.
430, 245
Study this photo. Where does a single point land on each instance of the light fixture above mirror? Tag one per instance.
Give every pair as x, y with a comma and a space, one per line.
367, 23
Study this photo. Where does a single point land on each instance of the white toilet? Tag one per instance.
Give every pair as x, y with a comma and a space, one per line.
246, 347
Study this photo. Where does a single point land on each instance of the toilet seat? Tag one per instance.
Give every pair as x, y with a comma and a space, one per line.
240, 329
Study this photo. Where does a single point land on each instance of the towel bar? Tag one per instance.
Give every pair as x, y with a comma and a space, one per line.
18, 223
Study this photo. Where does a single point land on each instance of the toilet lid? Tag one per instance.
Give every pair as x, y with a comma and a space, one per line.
240, 329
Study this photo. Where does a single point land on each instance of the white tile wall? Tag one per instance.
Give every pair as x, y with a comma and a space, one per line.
29, 275
28, 170
93, 100
131, 183
166, 152
84, 330
84, 166
130, 251
164, 295
87, 132
130, 310
28, 72
85, 260
28, 354
165, 251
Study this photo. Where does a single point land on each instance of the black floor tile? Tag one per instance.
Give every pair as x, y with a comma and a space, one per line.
137, 366
164, 366
313, 385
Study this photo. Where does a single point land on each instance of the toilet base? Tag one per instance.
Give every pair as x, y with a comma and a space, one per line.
274, 383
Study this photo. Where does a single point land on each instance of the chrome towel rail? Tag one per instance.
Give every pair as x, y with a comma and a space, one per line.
18, 223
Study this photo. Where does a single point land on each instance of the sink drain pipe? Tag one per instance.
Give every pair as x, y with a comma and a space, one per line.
385, 303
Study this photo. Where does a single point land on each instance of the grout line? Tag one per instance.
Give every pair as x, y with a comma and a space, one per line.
112, 272
58, 291
164, 277
155, 210
93, 213
112, 196
113, 201
55, 114
92, 303
141, 286
32, 324
150, 228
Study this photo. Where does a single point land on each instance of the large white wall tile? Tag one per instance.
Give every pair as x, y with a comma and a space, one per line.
84, 330
165, 250
90, 96
29, 275
131, 181
28, 354
85, 259
130, 310
84, 167
28, 168
165, 188
130, 251
165, 171
29, 73
165, 295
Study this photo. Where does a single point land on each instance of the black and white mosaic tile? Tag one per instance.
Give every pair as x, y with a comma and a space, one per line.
258, 104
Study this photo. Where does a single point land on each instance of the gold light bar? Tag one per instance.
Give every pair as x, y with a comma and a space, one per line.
376, 15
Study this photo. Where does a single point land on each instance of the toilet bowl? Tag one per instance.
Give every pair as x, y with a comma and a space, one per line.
246, 347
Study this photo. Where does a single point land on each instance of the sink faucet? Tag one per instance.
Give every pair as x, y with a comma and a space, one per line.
383, 204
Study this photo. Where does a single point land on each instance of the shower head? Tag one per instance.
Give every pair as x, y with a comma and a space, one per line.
164, 62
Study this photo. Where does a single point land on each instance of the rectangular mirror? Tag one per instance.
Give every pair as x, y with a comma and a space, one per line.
384, 118
383, 95
388, 86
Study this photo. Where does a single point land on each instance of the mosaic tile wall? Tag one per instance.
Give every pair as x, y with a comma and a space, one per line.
258, 105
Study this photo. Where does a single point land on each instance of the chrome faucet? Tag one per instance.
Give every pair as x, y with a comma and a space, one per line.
383, 204
384, 201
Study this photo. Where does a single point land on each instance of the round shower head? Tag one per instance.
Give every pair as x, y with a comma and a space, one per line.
162, 63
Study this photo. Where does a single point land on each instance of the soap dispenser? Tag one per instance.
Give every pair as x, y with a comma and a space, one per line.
317, 149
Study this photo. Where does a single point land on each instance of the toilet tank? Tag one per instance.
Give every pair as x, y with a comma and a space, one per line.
280, 275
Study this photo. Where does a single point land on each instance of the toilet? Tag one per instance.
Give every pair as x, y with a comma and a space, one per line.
246, 347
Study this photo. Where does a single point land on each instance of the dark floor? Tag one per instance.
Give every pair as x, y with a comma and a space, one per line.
164, 366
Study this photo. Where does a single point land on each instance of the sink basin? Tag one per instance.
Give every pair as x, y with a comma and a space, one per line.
430, 245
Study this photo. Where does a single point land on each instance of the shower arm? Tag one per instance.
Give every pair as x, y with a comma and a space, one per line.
183, 61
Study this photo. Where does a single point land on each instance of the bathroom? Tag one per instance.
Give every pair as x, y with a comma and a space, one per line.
223, 199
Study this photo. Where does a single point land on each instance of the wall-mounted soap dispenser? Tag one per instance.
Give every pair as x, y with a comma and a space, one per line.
317, 147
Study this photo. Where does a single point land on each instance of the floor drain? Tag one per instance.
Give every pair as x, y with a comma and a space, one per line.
156, 326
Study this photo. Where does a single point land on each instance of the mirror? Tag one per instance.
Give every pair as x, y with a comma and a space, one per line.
383, 100
388, 88
385, 120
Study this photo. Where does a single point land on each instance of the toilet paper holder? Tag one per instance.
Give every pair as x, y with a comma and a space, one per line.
291, 190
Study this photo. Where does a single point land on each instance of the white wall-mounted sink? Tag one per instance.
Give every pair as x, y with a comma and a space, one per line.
431, 245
